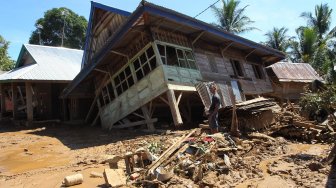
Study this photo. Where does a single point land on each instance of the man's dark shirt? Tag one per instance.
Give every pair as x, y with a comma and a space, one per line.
214, 102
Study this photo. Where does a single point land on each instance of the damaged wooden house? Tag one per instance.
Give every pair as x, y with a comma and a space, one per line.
31, 90
289, 80
144, 66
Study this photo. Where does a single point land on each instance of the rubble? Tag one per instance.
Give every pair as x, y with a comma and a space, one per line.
221, 160
195, 158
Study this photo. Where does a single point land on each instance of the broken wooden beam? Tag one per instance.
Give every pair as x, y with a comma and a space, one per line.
306, 124
262, 136
166, 155
132, 124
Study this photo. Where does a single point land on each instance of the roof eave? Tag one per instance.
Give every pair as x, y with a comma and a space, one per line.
192, 22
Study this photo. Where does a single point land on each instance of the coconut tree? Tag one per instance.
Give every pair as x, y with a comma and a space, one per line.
305, 47
231, 18
323, 56
321, 21
278, 39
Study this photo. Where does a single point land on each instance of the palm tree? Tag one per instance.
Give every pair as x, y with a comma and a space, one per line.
321, 21
305, 48
278, 39
317, 43
231, 18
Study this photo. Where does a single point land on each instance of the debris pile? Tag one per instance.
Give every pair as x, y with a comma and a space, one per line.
253, 115
265, 115
290, 124
195, 159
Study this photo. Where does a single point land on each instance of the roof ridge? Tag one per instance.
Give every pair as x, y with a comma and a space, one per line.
56, 47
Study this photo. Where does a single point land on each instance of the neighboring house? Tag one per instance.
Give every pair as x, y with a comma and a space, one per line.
146, 63
31, 90
290, 79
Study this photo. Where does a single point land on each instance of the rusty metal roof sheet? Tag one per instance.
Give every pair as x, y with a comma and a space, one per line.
294, 72
50, 64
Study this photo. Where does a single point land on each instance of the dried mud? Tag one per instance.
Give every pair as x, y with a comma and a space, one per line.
43, 156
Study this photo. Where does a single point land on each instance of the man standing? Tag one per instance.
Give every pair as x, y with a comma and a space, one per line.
213, 110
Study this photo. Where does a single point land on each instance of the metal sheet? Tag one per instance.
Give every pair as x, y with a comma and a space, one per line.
294, 72
51, 63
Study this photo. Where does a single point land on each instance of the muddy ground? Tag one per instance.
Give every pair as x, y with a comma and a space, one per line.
43, 155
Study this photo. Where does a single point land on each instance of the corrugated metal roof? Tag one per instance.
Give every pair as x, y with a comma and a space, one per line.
52, 63
294, 72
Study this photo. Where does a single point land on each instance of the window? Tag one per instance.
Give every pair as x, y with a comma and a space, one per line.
107, 94
177, 57
144, 64
171, 56
123, 80
258, 72
212, 63
238, 71
162, 51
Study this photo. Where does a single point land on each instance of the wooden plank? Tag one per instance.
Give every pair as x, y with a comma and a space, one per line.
166, 155
2, 100
21, 96
95, 119
179, 98
91, 108
181, 87
132, 124
234, 121
115, 177
146, 114
29, 102
174, 108
136, 114
164, 100
14, 101
306, 124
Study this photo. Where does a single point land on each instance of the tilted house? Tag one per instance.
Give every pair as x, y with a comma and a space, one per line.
145, 64
31, 90
290, 79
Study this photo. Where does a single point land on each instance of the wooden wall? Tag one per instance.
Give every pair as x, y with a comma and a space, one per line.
289, 90
132, 99
225, 72
103, 31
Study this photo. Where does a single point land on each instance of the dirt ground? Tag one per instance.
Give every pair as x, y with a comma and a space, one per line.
42, 156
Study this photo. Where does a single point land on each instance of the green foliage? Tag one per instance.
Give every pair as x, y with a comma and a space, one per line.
278, 39
50, 29
6, 63
316, 43
321, 20
325, 99
231, 18
155, 147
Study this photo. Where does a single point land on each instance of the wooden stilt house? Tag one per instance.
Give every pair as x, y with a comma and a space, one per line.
144, 65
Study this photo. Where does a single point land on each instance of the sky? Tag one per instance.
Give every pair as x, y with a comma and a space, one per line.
17, 17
